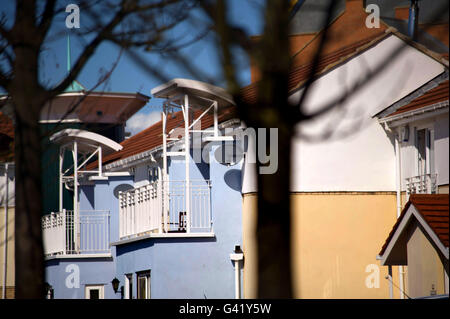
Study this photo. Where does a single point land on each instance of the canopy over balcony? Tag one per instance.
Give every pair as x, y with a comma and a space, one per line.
87, 141
200, 94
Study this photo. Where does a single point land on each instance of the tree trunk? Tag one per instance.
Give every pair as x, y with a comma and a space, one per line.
28, 244
273, 232
27, 101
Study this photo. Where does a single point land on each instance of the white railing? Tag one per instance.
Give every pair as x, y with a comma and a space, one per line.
200, 204
160, 207
421, 184
140, 210
64, 235
53, 233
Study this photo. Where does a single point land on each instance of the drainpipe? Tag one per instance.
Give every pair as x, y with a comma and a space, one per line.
5, 240
413, 19
236, 257
399, 198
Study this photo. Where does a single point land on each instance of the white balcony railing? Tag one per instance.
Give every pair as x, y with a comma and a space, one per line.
160, 207
140, 210
421, 184
65, 234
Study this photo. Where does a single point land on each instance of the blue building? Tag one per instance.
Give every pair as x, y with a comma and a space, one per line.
159, 215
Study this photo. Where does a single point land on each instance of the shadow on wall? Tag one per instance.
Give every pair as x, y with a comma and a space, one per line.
145, 243
233, 179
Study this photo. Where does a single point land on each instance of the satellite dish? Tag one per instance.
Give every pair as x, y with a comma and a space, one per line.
229, 153
121, 188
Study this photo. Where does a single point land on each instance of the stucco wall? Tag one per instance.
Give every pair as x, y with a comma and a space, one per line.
335, 237
425, 268
193, 267
92, 271
441, 146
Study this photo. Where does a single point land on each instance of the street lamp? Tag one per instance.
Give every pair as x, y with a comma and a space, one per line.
115, 283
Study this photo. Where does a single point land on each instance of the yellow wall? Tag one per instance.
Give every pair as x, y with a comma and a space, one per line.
10, 248
443, 189
249, 245
335, 237
424, 265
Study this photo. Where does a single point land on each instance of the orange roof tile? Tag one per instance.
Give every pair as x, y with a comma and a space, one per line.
435, 95
434, 209
152, 136
300, 74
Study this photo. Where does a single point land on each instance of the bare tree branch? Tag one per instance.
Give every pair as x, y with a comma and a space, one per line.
311, 76
47, 17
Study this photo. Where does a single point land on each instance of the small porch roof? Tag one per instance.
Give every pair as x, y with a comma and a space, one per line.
431, 211
201, 94
87, 141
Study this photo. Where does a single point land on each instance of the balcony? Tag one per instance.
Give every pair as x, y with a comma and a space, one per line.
160, 208
67, 235
421, 184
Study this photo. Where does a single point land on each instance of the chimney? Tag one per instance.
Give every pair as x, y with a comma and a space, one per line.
413, 20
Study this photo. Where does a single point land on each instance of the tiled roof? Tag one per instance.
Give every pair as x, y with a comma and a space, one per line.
300, 74
434, 210
435, 95
152, 137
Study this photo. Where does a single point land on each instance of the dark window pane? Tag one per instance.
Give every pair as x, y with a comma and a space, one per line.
141, 288
94, 294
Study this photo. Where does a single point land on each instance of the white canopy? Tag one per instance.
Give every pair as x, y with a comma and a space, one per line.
86, 140
199, 92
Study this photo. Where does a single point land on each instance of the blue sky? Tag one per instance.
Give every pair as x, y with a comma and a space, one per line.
130, 77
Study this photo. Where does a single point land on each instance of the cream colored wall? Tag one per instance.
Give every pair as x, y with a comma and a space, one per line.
424, 265
249, 245
443, 189
335, 237
10, 247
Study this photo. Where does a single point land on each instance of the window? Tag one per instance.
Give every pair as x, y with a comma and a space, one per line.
424, 140
153, 174
94, 292
143, 285
128, 286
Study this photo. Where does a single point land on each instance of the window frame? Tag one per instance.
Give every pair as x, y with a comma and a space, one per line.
88, 288
128, 286
146, 274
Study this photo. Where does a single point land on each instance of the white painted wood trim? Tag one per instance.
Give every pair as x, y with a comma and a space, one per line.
412, 211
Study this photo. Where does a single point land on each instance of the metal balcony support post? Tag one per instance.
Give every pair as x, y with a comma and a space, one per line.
216, 121
75, 193
164, 184
99, 150
187, 155
63, 212
61, 162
